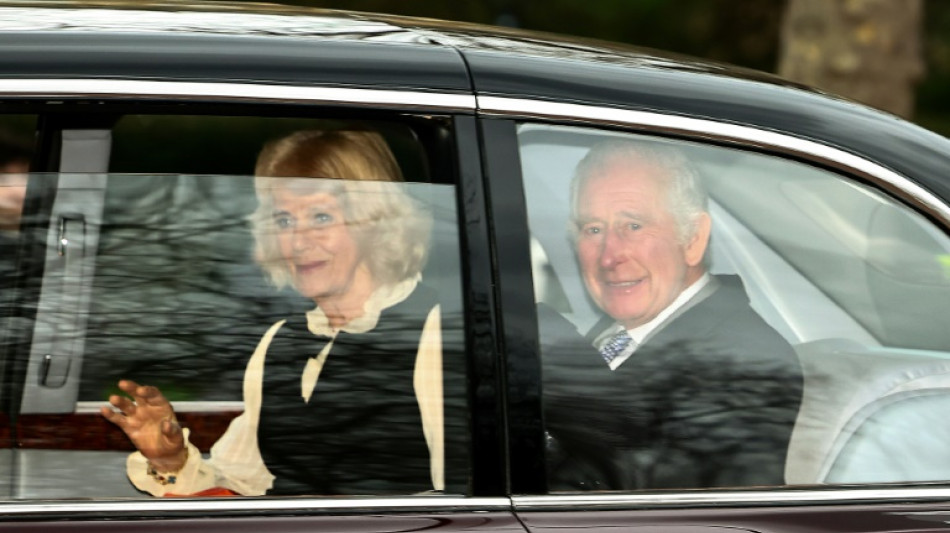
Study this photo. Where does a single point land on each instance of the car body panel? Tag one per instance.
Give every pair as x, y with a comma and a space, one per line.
197, 57
232, 54
380, 521
768, 519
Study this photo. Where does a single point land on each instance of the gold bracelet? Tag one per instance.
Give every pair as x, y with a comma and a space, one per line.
165, 478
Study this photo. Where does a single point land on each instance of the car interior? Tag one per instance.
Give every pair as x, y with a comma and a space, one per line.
147, 269
149, 275
854, 280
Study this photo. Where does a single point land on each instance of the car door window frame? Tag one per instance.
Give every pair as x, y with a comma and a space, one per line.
528, 492
487, 471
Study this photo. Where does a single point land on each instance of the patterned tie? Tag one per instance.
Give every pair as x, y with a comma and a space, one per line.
615, 346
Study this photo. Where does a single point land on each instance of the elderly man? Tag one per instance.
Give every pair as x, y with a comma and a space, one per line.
688, 386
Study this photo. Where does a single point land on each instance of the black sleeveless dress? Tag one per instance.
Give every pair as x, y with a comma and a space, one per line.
361, 432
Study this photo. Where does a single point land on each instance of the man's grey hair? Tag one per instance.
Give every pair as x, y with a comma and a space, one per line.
686, 197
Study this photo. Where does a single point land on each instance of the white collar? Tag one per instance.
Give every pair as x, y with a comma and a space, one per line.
381, 298
641, 332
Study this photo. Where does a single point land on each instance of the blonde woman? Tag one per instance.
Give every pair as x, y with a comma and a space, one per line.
346, 399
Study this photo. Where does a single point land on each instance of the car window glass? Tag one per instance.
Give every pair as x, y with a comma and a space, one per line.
158, 278
16, 153
801, 349
210, 144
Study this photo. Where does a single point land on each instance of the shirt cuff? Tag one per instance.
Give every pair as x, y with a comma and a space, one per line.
196, 475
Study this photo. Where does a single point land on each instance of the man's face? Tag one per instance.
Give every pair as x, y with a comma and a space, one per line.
632, 257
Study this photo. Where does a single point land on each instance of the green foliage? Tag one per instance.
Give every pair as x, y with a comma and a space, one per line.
932, 102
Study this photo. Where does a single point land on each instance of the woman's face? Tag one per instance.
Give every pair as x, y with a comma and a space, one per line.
324, 260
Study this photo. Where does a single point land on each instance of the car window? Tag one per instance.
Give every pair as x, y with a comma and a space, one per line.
16, 153
185, 272
711, 317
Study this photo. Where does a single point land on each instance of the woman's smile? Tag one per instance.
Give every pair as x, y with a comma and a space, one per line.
310, 267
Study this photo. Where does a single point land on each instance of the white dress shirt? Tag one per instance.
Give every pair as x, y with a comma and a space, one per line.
235, 462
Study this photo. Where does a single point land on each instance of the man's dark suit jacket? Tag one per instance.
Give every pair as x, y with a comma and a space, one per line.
708, 400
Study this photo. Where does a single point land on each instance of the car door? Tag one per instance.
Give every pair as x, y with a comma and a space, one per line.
134, 260
840, 256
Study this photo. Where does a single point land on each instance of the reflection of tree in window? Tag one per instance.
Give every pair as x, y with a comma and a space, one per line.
176, 297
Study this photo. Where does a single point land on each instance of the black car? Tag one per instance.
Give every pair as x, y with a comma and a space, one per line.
130, 206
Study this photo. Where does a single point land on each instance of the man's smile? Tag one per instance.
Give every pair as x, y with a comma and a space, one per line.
622, 284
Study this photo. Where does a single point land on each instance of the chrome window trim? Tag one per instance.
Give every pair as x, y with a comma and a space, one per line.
695, 499
259, 506
805, 149
244, 92
92, 407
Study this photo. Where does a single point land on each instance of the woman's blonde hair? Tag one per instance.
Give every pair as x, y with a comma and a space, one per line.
357, 168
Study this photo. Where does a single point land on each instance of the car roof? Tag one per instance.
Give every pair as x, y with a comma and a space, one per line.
93, 33
268, 43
